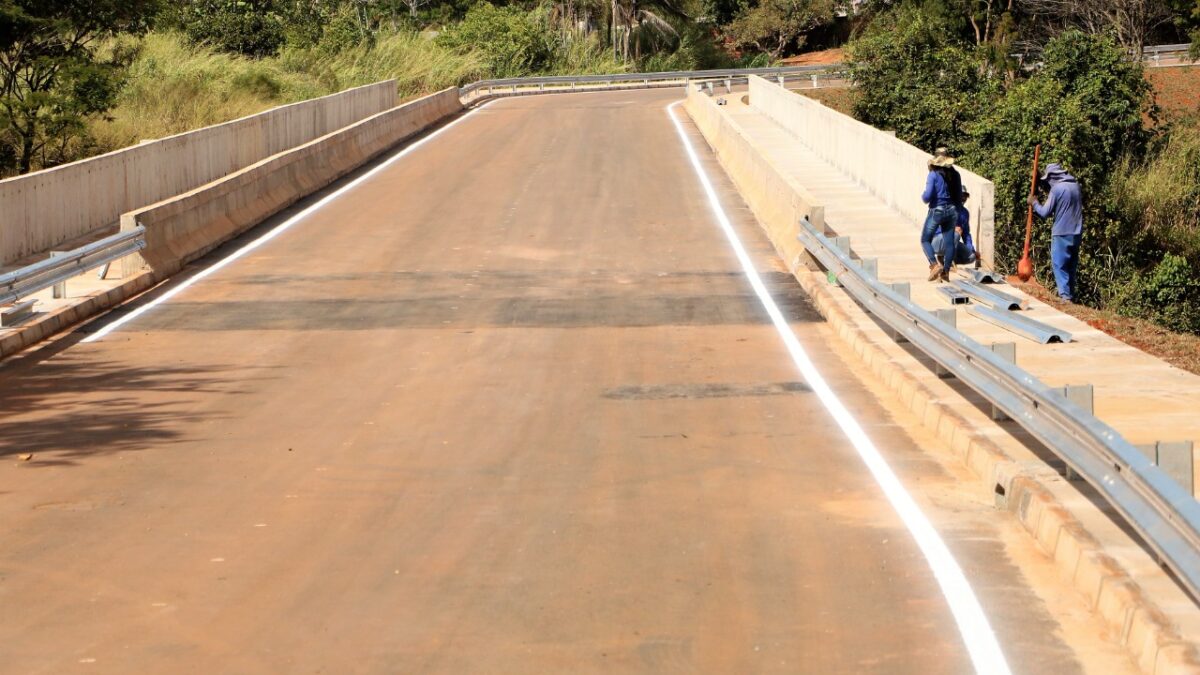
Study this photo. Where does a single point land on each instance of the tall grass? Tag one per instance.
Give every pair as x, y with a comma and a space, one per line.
173, 86
418, 64
1163, 193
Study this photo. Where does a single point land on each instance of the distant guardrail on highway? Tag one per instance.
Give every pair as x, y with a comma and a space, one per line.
515, 85
1159, 55
1165, 514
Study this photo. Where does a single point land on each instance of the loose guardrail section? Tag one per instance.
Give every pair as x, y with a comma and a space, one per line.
23, 282
1163, 513
19, 284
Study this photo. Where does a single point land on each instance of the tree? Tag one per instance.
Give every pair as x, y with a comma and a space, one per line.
51, 76
915, 76
252, 28
774, 26
1085, 105
515, 42
1129, 21
639, 21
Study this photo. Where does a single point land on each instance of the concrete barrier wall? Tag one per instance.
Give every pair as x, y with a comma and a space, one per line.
889, 168
776, 199
185, 227
41, 210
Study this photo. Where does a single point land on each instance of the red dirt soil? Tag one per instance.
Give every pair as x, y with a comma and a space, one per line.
1177, 91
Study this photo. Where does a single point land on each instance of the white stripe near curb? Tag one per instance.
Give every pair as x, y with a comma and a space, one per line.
973, 625
273, 232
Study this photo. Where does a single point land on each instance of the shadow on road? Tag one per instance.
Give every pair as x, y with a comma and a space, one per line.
63, 405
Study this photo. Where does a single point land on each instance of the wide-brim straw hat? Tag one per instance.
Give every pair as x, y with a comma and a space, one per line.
941, 157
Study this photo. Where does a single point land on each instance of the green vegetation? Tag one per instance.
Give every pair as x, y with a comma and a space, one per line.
87, 76
989, 79
926, 70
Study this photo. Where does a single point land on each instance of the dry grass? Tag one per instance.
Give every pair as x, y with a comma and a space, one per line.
1181, 350
840, 99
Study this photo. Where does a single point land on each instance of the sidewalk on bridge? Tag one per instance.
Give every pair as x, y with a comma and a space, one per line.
1141, 396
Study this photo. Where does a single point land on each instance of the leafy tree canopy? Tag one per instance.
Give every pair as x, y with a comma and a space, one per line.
51, 77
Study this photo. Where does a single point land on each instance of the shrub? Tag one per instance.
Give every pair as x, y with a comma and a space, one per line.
1169, 295
513, 42
917, 78
248, 27
1085, 106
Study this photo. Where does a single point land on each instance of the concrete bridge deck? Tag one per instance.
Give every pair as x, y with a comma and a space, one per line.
510, 405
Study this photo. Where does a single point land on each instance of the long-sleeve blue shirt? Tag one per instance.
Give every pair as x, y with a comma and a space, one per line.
937, 192
964, 224
1065, 202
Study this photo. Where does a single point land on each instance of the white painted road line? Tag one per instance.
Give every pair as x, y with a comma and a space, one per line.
973, 625
274, 232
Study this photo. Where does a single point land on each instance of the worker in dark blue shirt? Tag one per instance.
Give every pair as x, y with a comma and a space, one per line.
964, 245
1065, 203
943, 194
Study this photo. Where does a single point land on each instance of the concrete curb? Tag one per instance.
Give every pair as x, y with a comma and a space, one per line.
1148, 635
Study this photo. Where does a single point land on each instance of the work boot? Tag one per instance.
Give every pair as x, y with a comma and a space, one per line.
944, 275
935, 271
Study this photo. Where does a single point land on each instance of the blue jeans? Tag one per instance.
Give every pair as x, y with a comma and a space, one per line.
962, 256
1064, 254
941, 220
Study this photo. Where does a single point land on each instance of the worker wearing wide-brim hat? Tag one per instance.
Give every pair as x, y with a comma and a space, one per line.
943, 194
1065, 202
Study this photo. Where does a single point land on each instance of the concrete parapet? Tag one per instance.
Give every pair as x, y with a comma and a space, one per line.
778, 201
41, 210
889, 168
184, 227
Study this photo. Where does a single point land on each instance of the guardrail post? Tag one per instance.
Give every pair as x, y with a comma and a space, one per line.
728, 86
950, 318
842, 244
1176, 459
904, 290
815, 84
870, 267
1082, 395
779, 79
1008, 352
59, 290
489, 90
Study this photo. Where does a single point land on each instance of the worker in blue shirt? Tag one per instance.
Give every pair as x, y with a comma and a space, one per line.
1065, 203
964, 245
943, 194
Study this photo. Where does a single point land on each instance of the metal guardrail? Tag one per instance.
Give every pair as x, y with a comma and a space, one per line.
1163, 513
1150, 54
737, 74
41, 275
